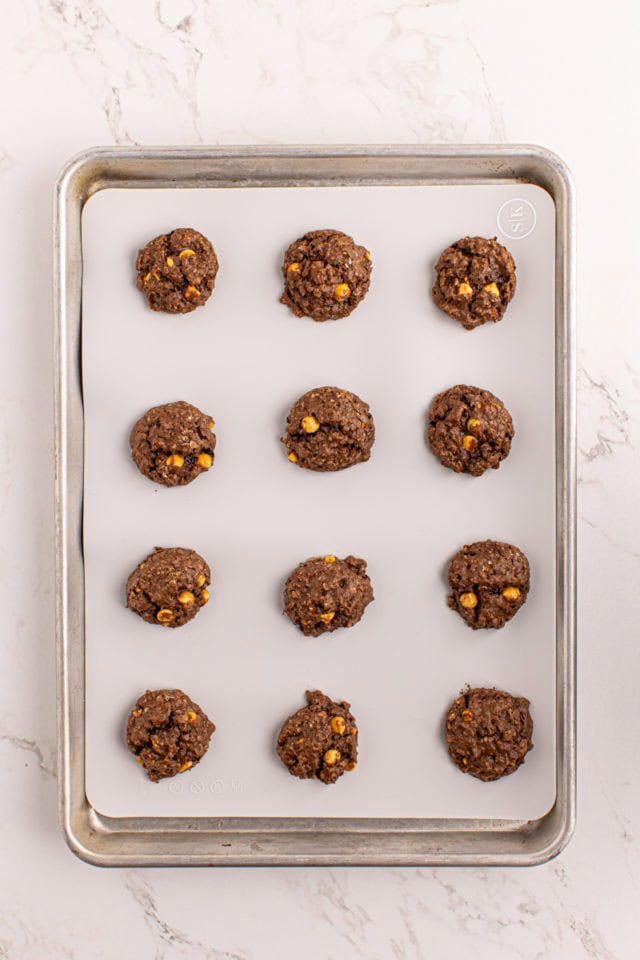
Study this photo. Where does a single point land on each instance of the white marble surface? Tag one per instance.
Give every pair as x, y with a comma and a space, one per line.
81, 72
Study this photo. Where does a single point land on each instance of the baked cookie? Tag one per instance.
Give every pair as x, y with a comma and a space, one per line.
326, 275
173, 444
475, 281
469, 430
325, 593
488, 732
168, 733
177, 271
169, 586
329, 429
320, 741
489, 582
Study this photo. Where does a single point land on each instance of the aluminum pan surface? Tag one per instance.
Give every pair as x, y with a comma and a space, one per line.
448, 847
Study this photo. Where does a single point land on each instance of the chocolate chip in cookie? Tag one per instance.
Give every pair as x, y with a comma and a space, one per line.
169, 587
173, 444
475, 281
168, 733
325, 593
326, 275
488, 732
470, 430
329, 429
320, 741
177, 271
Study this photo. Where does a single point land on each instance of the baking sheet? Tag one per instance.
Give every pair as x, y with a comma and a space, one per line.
244, 358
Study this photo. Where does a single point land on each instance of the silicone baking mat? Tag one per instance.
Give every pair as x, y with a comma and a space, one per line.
244, 358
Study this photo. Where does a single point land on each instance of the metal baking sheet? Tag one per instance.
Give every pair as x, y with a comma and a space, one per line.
401, 511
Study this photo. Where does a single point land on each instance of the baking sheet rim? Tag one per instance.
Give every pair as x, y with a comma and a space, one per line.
279, 840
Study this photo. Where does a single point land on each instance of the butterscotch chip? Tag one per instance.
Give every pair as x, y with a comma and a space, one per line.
177, 271
173, 444
449, 417
488, 732
168, 733
321, 596
496, 575
326, 275
468, 601
169, 588
205, 460
329, 429
475, 281
309, 424
311, 743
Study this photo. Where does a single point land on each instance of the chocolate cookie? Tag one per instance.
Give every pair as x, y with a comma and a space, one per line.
326, 275
173, 444
325, 593
177, 271
329, 429
320, 741
490, 582
168, 733
169, 586
475, 281
489, 732
469, 430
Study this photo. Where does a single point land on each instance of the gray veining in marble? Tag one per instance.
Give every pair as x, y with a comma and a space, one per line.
81, 72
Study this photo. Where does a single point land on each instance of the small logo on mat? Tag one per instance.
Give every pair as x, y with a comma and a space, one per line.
516, 219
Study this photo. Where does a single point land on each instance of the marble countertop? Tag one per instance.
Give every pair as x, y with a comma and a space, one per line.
76, 73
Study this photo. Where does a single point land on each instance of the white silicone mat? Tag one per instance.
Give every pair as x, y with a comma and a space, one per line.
244, 359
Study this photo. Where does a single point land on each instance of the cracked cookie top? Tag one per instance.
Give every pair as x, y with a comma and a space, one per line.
329, 429
475, 281
325, 593
168, 733
320, 741
173, 444
470, 430
177, 271
169, 587
489, 581
326, 275
488, 732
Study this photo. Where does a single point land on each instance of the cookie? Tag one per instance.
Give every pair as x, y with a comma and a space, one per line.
169, 587
489, 582
320, 741
469, 430
177, 271
325, 593
173, 444
326, 275
329, 429
475, 281
168, 733
488, 732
